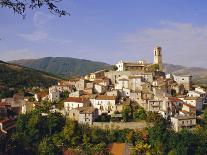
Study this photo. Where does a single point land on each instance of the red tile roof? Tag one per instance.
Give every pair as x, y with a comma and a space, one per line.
188, 105
175, 99
76, 99
119, 149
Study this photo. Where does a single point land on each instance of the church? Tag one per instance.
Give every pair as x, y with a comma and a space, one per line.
142, 65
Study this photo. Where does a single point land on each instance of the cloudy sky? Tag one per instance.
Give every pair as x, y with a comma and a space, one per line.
110, 30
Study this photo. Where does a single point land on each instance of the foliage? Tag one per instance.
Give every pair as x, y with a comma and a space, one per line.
31, 128
153, 117
141, 148
20, 6
14, 78
140, 114
63, 66
153, 67
47, 146
127, 113
114, 67
50, 134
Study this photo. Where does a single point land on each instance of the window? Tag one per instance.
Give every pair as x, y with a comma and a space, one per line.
182, 122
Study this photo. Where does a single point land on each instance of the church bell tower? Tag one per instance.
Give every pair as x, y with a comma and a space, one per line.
158, 57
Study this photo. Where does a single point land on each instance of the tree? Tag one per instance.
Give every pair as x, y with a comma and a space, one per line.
47, 147
126, 113
20, 6
55, 122
141, 148
114, 67
140, 114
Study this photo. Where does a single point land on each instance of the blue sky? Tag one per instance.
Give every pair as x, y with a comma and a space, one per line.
109, 30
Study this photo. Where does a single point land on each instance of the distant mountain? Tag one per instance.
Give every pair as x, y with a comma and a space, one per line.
15, 76
199, 74
63, 66
77, 67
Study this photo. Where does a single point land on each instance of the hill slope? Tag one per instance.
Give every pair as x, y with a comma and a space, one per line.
199, 74
14, 76
62, 65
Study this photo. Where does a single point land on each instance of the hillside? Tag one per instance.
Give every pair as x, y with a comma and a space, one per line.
17, 77
62, 66
199, 74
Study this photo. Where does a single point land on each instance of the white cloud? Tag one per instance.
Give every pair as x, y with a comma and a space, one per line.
182, 43
35, 36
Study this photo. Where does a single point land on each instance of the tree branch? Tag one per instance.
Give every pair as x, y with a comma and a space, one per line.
20, 6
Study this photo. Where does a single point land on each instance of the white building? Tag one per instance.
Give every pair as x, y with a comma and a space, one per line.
104, 104
185, 80
128, 66
194, 93
75, 102
54, 94
194, 101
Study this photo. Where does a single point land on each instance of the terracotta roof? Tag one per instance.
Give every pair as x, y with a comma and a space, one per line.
105, 97
71, 152
188, 105
175, 99
118, 149
4, 104
76, 99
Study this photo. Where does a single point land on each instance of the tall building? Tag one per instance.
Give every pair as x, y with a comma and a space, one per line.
158, 57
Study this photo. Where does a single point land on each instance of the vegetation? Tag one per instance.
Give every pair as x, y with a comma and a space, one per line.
63, 66
14, 78
50, 134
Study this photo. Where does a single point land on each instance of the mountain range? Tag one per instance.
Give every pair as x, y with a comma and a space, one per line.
64, 66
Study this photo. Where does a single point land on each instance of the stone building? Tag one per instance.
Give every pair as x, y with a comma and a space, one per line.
182, 122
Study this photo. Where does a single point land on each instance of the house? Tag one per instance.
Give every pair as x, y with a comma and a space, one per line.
135, 82
96, 75
3, 109
54, 95
182, 122
113, 93
166, 107
186, 80
27, 107
194, 93
194, 101
77, 93
128, 66
7, 125
88, 115
15, 104
75, 102
43, 95
100, 89
122, 82
104, 104
120, 149
188, 109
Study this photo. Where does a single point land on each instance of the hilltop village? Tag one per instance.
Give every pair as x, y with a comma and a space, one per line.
127, 99
108, 93
138, 84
